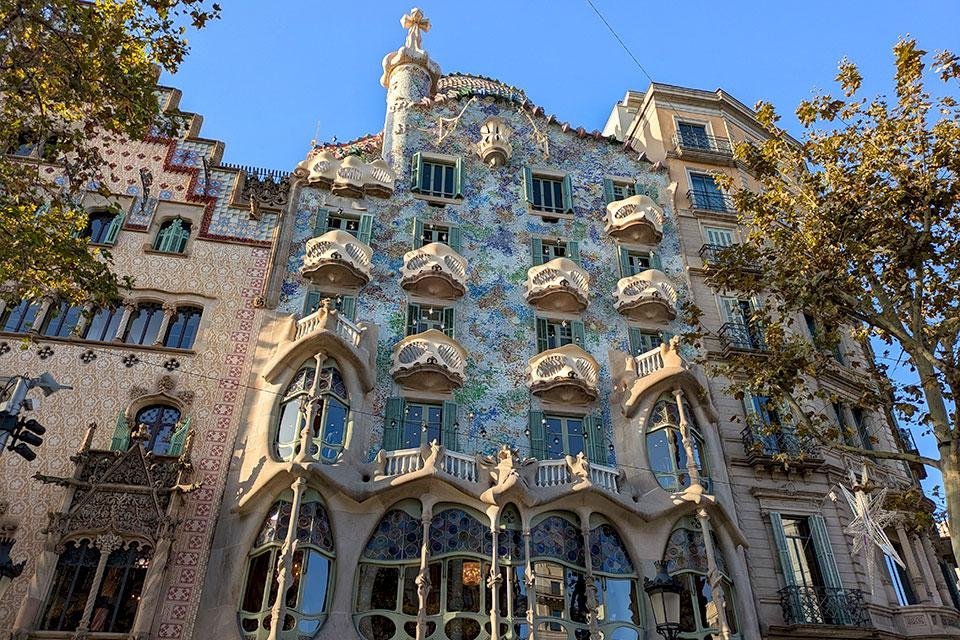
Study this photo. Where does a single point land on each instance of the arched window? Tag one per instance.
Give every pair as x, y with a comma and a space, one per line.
103, 227
332, 415
617, 582
559, 575
144, 324
172, 236
161, 421
20, 317
61, 320
686, 559
103, 325
307, 599
183, 328
118, 593
665, 451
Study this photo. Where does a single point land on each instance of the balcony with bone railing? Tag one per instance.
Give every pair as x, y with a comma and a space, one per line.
349, 177
649, 295
429, 361
337, 258
567, 374
649, 368
434, 270
635, 219
558, 285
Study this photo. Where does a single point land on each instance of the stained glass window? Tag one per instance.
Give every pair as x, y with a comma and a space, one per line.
557, 537
330, 422
607, 553
456, 531
399, 536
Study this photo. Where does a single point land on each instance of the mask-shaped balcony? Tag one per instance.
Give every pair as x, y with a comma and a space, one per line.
434, 270
429, 361
558, 285
337, 258
567, 374
635, 219
649, 296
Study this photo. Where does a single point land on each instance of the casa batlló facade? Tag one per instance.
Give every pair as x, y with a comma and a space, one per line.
427, 386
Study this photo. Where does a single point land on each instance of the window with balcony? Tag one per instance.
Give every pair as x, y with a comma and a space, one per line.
767, 434
423, 317
103, 227
183, 327
61, 320
644, 340
552, 334
103, 325
410, 424
435, 177
634, 261
846, 433
359, 226
618, 189
345, 305
739, 329
862, 423
554, 436
144, 325
549, 194
546, 249
330, 410
426, 232
706, 194
665, 448
20, 317
172, 236
693, 135
816, 330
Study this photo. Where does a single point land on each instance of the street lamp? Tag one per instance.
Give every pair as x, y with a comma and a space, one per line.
664, 592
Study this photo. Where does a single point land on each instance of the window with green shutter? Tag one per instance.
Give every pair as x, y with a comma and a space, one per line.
596, 439
552, 334
172, 236
550, 194
634, 262
566, 436
546, 249
425, 233
435, 177
618, 189
643, 340
345, 305
423, 317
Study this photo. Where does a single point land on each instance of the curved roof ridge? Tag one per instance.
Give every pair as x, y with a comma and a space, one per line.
362, 145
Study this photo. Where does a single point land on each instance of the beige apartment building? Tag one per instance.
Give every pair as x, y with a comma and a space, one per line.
429, 385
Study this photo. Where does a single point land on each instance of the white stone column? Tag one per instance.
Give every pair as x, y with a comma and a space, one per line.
919, 587
169, 310
106, 544
692, 471
713, 573
128, 308
531, 585
927, 571
494, 580
150, 600
45, 303
308, 413
285, 561
423, 577
931, 556
593, 603
84, 320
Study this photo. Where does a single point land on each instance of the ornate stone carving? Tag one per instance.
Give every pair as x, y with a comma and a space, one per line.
266, 191
412, 50
494, 147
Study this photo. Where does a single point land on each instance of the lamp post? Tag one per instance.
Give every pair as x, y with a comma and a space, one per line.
664, 592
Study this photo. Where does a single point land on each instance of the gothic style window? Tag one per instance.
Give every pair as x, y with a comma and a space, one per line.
103, 325
103, 227
19, 318
117, 594
332, 413
668, 458
161, 421
686, 559
61, 321
307, 598
172, 236
183, 328
144, 324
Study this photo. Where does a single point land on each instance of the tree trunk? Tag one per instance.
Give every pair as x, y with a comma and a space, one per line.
951, 494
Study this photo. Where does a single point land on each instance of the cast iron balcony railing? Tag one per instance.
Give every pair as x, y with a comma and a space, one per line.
909, 444
823, 606
740, 336
701, 142
767, 442
711, 201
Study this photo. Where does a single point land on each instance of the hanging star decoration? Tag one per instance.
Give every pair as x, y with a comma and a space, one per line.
870, 520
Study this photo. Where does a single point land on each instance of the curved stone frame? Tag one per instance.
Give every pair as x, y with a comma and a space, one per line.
167, 211
298, 495
597, 520
696, 436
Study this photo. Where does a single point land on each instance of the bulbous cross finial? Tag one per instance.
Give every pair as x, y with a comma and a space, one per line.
415, 22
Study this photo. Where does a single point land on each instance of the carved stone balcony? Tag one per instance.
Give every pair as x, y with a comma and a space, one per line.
567, 374
429, 361
649, 295
635, 219
558, 285
337, 258
434, 270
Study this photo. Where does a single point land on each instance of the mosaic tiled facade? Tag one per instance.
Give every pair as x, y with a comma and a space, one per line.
433, 394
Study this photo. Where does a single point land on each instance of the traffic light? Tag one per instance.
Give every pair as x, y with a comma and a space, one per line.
23, 435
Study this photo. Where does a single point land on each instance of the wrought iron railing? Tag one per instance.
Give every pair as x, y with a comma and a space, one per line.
711, 201
260, 173
906, 437
767, 442
742, 336
703, 142
712, 253
823, 606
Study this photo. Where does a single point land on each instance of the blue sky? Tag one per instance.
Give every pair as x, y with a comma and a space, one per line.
270, 75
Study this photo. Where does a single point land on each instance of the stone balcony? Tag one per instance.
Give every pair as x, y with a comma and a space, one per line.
337, 258
434, 270
429, 361
635, 219
567, 374
649, 295
558, 285
638, 374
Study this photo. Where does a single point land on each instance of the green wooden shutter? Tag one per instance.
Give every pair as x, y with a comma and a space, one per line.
625, 270
448, 429
114, 229
636, 341
416, 164
121, 434
542, 342
413, 318
527, 185
393, 424
449, 322
655, 262
348, 307
596, 439
821, 542
312, 302
320, 222
608, 190
579, 338
567, 194
417, 233
538, 440
453, 238
365, 232
573, 251
665, 337
536, 248
458, 178
780, 538
178, 438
